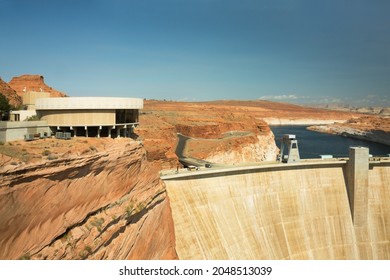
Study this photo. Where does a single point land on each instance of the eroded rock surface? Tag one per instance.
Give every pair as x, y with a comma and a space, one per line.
97, 204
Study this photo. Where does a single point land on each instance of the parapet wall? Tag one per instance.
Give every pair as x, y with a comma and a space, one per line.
297, 211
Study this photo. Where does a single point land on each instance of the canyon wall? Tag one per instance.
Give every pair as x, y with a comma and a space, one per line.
234, 150
162, 120
209, 126
279, 211
108, 204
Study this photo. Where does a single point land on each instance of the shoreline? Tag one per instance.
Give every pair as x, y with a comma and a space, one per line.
308, 122
375, 137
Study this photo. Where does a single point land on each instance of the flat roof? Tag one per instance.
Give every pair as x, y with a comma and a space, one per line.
88, 103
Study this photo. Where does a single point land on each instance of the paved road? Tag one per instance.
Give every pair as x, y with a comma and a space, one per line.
186, 161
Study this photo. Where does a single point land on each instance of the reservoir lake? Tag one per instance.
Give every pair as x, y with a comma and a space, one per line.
312, 144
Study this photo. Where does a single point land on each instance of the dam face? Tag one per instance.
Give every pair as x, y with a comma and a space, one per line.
281, 211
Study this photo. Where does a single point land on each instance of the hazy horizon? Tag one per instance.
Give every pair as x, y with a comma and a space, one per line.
299, 51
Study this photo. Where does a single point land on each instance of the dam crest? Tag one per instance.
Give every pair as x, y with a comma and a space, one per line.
334, 209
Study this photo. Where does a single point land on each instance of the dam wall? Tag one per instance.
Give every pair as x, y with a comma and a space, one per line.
282, 211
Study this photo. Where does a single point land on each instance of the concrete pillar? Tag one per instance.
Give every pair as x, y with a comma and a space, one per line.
118, 133
357, 184
74, 130
293, 152
98, 133
291, 144
109, 131
86, 131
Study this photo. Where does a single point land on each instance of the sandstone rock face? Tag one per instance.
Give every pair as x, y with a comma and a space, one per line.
107, 204
33, 83
159, 139
261, 148
13, 99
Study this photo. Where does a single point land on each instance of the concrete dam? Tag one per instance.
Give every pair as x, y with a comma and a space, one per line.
327, 210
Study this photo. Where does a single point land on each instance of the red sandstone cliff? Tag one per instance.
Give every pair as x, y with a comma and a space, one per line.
33, 83
105, 202
13, 98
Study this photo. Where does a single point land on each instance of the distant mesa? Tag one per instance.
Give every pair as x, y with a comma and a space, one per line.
371, 110
27, 83
385, 111
13, 98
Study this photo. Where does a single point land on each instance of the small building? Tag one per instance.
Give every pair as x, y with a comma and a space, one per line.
289, 151
11, 131
21, 115
90, 116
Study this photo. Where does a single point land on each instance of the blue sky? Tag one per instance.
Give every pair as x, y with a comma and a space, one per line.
284, 50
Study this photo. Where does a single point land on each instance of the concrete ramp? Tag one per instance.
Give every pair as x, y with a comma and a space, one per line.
283, 212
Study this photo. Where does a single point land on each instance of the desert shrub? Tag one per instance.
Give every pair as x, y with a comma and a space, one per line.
88, 249
52, 157
32, 118
98, 223
46, 153
25, 257
130, 208
140, 207
83, 254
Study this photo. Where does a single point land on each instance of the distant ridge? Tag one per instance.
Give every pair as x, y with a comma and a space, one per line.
371, 110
